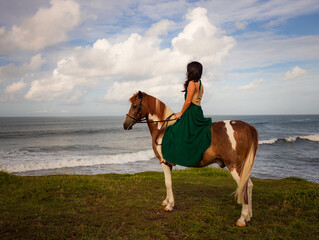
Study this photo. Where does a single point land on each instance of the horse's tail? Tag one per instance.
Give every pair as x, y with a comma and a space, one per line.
241, 191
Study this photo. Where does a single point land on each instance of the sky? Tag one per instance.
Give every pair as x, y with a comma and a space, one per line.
87, 58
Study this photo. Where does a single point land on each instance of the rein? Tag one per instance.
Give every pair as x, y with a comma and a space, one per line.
166, 121
144, 120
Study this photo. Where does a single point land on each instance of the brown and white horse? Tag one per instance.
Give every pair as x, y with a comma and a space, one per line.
233, 144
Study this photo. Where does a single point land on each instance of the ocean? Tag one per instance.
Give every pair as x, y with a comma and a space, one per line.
288, 146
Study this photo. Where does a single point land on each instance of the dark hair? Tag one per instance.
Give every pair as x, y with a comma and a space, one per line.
194, 73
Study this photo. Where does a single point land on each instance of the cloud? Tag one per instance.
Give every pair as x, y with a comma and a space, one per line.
251, 85
75, 97
35, 63
158, 9
12, 72
202, 40
48, 89
137, 61
241, 25
47, 27
265, 49
160, 28
15, 87
273, 23
228, 11
296, 72
161, 87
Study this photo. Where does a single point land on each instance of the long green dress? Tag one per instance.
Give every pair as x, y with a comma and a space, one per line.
185, 142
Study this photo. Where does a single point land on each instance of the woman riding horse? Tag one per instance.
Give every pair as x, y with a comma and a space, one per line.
185, 142
194, 141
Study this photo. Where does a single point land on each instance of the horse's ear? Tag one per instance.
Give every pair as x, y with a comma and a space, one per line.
140, 94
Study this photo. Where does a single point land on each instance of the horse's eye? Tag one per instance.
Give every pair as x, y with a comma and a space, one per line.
134, 107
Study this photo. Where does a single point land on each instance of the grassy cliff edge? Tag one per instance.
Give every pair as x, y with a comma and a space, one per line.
114, 206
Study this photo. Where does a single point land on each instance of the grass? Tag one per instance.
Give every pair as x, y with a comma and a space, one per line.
128, 206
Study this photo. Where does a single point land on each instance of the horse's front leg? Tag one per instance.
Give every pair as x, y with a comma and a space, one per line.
169, 201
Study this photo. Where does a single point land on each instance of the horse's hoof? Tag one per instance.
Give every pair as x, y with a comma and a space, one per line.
168, 210
240, 224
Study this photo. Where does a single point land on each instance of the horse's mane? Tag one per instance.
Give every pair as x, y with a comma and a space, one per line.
154, 105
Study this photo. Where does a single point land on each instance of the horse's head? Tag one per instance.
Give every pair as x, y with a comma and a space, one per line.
137, 111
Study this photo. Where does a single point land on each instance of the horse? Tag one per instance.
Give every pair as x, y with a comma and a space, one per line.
234, 144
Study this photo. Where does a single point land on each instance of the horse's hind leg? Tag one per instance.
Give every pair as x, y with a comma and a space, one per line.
250, 193
169, 200
245, 214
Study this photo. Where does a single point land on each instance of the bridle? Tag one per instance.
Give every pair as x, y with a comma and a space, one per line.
144, 119
139, 108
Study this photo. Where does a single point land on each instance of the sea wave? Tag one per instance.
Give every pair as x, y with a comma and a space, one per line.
313, 138
55, 162
65, 148
62, 132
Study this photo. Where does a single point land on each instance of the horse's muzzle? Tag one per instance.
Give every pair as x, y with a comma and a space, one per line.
127, 126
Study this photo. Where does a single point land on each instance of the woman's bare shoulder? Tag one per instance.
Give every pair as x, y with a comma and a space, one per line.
191, 82
191, 85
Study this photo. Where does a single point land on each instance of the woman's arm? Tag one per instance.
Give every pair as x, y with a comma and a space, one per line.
188, 101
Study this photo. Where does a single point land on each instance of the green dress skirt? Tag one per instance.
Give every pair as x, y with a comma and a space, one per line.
185, 142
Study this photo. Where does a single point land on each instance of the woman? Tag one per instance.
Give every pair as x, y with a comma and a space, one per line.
185, 142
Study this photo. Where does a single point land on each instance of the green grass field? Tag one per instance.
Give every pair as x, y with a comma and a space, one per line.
128, 206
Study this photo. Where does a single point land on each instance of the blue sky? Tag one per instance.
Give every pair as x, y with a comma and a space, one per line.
86, 58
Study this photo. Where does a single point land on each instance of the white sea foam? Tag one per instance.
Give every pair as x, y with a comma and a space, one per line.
55, 162
313, 138
269, 141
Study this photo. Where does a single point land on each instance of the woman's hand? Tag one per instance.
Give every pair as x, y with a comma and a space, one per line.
178, 115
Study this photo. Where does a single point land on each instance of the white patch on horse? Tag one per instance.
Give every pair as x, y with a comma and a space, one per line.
155, 118
157, 105
235, 175
230, 133
169, 201
168, 112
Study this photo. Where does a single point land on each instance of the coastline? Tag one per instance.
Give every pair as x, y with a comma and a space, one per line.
153, 165
288, 146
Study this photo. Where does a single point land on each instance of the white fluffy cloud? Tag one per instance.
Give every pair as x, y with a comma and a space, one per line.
202, 40
57, 85
161, 87
295, 73
15, 87
16, 77
137, 62
47, 27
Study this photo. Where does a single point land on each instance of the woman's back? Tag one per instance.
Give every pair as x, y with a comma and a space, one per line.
198, 92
